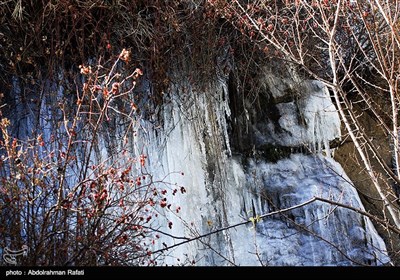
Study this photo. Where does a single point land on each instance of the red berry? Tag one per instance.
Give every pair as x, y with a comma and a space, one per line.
163, 203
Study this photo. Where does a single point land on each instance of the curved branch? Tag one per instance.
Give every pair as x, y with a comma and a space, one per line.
233, 226
312, 200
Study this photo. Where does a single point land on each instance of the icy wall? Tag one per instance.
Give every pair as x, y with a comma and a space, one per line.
224, 187
240, 163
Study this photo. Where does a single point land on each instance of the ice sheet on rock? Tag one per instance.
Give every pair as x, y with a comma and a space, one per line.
301, 178
225, 196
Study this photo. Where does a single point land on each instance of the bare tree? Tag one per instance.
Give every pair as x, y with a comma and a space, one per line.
66, 203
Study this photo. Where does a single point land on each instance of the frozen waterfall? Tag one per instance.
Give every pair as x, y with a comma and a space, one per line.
285, 161
223, 186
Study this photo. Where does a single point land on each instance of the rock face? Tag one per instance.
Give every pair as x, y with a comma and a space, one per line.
240, 161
